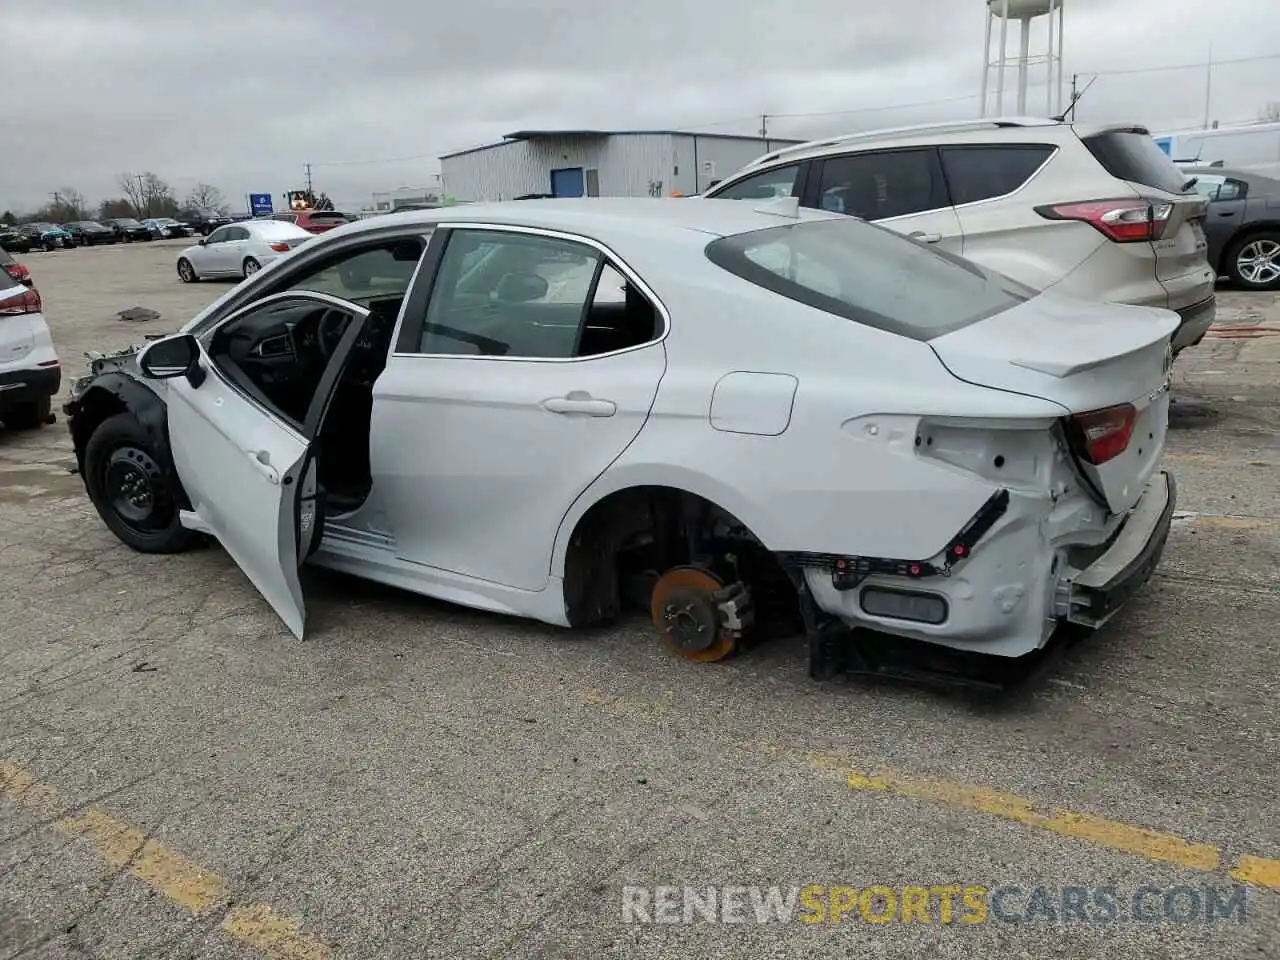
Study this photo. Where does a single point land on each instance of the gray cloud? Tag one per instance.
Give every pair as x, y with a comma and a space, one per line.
241, 93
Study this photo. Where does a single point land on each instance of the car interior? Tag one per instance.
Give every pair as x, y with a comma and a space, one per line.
279, 353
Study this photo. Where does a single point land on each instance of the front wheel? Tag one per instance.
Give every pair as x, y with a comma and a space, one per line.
250, 267
1253, 262
130, 489
186, 272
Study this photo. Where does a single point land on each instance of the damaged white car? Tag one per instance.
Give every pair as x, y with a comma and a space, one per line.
748, 421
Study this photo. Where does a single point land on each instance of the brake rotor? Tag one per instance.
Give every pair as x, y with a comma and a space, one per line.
683, 609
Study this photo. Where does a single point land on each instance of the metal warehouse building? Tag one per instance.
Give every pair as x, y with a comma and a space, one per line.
598, 163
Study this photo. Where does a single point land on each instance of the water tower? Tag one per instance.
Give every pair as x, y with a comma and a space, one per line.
1030, 15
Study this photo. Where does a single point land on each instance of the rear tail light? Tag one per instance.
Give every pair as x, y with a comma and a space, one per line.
19, 272
1124, 220
1102, 435
28, 301
279, 246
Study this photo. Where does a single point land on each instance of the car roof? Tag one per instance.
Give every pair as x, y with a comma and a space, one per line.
604, 218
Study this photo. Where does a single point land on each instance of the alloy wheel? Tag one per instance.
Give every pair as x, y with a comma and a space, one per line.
1258, 262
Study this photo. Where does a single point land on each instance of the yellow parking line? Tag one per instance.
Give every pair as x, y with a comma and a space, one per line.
173, 876
1152, 845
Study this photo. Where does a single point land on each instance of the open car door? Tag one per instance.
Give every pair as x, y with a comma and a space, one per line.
247, 467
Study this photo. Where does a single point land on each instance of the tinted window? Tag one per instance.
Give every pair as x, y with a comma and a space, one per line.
874, 186
778, 182
982, 172
1217, 187
341, 217
221, 235
869, 274
1137, 158
518, 295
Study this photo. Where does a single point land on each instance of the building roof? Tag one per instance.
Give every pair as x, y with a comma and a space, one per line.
600, 134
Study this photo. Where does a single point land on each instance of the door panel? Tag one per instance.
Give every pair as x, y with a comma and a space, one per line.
902, 190
240, 468
479, 459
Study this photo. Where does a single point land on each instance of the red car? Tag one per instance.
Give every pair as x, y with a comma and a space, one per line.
314, 221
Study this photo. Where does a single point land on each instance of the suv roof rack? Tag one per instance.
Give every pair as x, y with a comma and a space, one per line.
946, 126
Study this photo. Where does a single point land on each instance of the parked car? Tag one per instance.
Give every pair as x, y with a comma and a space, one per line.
314, 221
239, 250
47, 236
203, 222
30, 374
709, 401
127, 229
1095, 211
165, 228
87, 233
1243, 226
14, 240
14, 270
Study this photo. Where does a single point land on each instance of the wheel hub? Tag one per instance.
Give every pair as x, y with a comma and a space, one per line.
685, 610
1259, 261
690, 620
133, 485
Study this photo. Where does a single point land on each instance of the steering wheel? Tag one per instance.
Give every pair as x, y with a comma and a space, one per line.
330, 330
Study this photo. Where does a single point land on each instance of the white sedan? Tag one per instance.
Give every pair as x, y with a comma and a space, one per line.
746, 420
239, 249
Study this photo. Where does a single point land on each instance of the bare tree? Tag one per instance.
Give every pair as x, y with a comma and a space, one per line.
150, 195
120, 207
207, 197
1271, 112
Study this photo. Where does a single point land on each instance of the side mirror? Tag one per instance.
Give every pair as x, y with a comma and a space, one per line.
204, 241
521, 288
176, 356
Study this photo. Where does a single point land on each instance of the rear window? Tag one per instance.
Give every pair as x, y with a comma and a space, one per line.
870, 275
330, 216
983, 171
1136, 157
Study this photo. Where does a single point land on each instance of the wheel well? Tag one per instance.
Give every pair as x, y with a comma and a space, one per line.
1244, 233
94, 407
622, 544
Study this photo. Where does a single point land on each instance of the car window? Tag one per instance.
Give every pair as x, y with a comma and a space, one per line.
769, 185
368, 274
221, 235
875, 186
870, 275
277, 352
521, 295
1217, 187
983, 171
1136, 157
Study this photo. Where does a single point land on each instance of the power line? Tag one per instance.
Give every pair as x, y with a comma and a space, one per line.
1183, 66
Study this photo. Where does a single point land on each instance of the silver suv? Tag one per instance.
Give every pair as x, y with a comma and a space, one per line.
1097, 212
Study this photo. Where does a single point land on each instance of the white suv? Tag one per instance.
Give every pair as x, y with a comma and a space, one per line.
29, 370
1092, 211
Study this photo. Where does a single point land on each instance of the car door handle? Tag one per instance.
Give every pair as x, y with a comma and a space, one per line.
581, 403
925, 237
261, 461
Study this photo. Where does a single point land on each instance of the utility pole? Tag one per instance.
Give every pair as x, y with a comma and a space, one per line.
141, 194
308, 166
57, 202
764, 126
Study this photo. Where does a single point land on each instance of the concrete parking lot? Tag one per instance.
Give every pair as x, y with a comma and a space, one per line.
179, 777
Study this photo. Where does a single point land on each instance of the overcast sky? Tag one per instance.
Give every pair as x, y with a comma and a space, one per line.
241, 93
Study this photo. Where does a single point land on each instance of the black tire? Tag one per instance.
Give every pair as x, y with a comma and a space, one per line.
249, 267
130, 490
1256, 249
186, 272
28, 416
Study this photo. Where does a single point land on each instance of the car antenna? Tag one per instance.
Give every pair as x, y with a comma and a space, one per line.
1076, 97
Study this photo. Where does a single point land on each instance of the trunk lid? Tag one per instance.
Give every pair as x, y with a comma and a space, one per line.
1085, 357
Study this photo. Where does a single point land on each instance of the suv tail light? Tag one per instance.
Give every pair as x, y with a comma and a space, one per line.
1102, 435
19, 272
28, 301
279, 246
1123, 220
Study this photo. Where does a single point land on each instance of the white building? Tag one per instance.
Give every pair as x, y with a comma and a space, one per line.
598, 163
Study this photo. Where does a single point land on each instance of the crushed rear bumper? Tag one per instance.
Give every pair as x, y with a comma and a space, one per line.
1102, 588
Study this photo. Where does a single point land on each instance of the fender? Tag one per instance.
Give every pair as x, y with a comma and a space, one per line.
115, 392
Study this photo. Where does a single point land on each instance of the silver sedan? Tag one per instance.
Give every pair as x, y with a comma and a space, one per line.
239, 249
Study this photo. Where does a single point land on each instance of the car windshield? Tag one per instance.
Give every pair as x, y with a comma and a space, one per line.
869, 274
128, 222
42, 226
